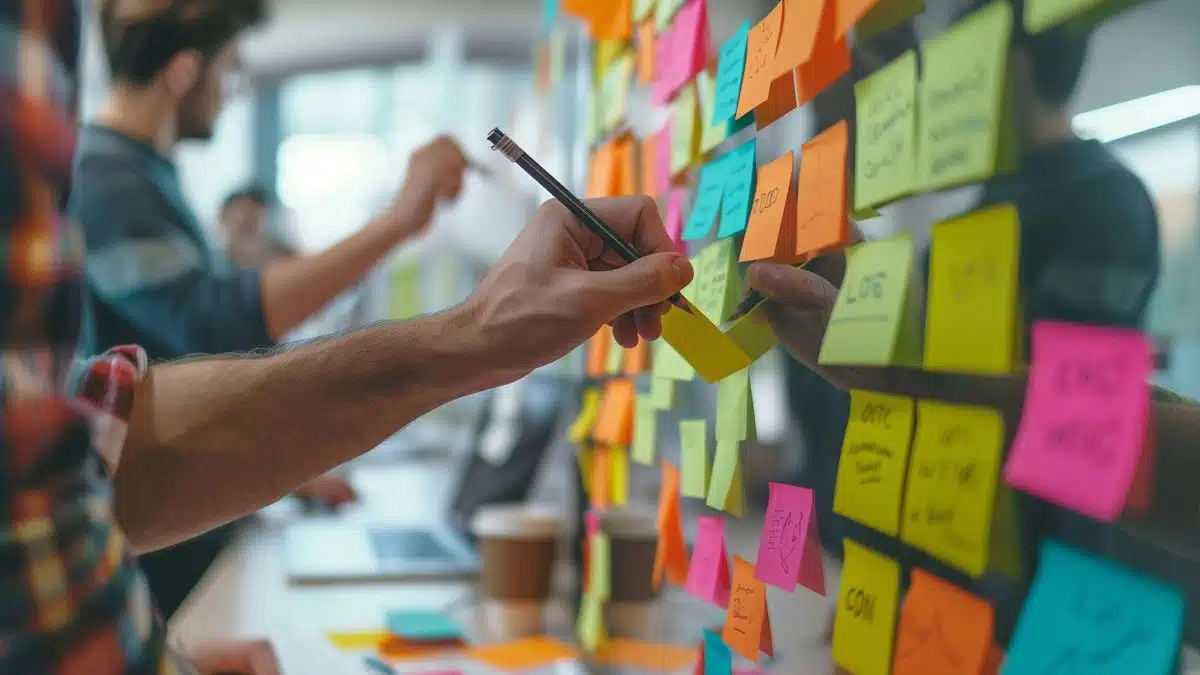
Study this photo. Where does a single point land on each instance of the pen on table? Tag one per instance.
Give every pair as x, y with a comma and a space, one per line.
513, 152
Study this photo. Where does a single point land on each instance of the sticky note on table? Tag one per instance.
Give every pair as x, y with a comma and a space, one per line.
735, 408
740, 170
693, 443
712, 353
789, 549
614, 425
715, 288
943, 629
1084, 422
670, 556
771, 231
951, 491
962, 125
645, 431
708, 573
707, 204
717, 656
870, 478
747, 619
759, 71
423, 626
821, 222
886, 134
589, 409
730, 66
866, 611
523, 655
873, 320
972, 317
684, 143
799, 28
726, 491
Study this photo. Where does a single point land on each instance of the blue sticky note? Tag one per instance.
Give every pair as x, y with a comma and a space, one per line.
1085, 615
707, 204
718, 658
729, 77
419, 625
740, 173
549, 12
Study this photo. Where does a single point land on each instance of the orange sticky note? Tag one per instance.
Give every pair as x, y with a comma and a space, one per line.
601, 478
830, 60
943, 629
774, 202
759, 72
781, 100
606, 19
801, 20
614, 426
602, 172
1141, 492
625, 168
644, 656
747, 620
821, 221
598, 351
650, 165
849, 12
670, 558
637, 358
523, 655
645, 51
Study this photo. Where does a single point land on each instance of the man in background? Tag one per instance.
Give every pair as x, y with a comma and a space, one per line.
244, 223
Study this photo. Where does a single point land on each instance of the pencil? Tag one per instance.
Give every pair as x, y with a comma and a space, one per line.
576, 206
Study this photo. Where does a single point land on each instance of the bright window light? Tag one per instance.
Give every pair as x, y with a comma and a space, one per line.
1140, 114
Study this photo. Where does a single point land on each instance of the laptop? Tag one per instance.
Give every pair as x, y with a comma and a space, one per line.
510, 441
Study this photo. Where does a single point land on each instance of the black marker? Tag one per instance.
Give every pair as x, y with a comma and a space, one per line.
611, 239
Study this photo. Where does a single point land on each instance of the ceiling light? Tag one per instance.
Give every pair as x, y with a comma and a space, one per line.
1140, 114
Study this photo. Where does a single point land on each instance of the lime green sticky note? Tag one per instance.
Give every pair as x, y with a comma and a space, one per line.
590, 625
645, 431
618, 475
886, 136
725, 488
711, 135
753, 334
735, 408
1041, 15
693, 441
614, 358
404, 295
669, 365
642, 9
600, 566
662, 393
962, 90
591, 115
614, 91
715, 288
872, 321
683, 129
865, 214
870, 477
665, 12
884, 16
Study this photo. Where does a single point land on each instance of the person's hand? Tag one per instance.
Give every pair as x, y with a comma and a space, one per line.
435, 173
234, 657
558, 283
332, 489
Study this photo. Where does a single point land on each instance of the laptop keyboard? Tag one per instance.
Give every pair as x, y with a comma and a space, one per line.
406, 545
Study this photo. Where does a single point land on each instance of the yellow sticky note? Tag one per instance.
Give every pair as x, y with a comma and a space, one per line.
670, 365
886, 136
589, 409
684, 120
753, 334
963, 82
971, 319
715, 288
600, 566
864, 627
586, 457
951, 492
873, 321
1041, 15
1005, 544
614, 91
735, 408
642, 9
404, 295
725, 487
618, 477
693, 444
870, 479
711, 135
713, 354
607, 53
590, 625
645, 431
662, 391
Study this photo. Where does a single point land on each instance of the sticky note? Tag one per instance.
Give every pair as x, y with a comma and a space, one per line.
550, 9
691, 40
423, 626
821, 222
718, 657
669, 365
886, 14
962, 100
761, 45
618, 461
708, 572
866, 611
673, 222
1041, 15
886, 135
715, 288
725, 488
713, 354
637, 655
601, 490
1084, 421
830, 60
606, 19
665, 11
522, 655
774, 204
644, 9
662, 393
711, 134
586, 458
740, 171
590, 626
616, 357
753, 333
730, 66
693, 442
972, 318
589, 409
951, 491
645, 52
670, 556
943, 629
648, 160
707, 205
801, 20
684, 145
645, 431
614, 425
600, 566
747, 619
873, 321
735, 408
625, 182
614, 89
602, 170
870, 478
637, 358
781, 100
848, 13
789, 549
662, 155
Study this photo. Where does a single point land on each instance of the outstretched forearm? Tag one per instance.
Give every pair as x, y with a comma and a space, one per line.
213, 439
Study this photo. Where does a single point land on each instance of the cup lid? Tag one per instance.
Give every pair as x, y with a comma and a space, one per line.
629, 522
517, 521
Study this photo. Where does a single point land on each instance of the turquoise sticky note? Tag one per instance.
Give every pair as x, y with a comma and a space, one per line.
718, 657
423, 626
549, 12
1086, 615
707, 204
729, 76
740, 172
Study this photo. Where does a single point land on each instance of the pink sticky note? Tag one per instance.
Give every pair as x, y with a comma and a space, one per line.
789, 551
708, 573
1084, 422
664, 67
662, 147
674, 221
591, 520
690, 43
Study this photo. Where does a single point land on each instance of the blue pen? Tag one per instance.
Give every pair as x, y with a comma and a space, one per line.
378, 666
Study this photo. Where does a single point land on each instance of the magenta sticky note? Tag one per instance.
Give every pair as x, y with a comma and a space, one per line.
674, 220
664, 67
708, 572
591, 521
1083, 426
662, 153
690, 43
789, 550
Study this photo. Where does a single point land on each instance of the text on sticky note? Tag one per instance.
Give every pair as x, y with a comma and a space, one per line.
870, 478
739, 189
866, 611
886, 134
789, 548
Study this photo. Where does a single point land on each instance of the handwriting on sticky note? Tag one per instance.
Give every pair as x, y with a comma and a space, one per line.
707, 204
729, 76
725, 483
774, 202
739, 189
821, 221
645, 431
866, 611
1084, 422
789, 548
708, 573
886, 134
735, 408
715, 286
761, 45
693, 441
962, 98
951, 492
1108, 620
870, 478
747, 621
971, 322
943, 629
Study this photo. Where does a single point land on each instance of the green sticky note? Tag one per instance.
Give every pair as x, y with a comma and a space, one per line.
645, 431
665, 12
590, 625
872, 321
962, 94
724, 490
1041, 15
753, 334
662, 393
614, 358
404, 296
711, 135
740, 172
642, 9
735, 408
706, 205
886, 136
683, 129
668, 364
600, 566
715, 288
422, 626
693, 442
885, 16
591, 119
614, 91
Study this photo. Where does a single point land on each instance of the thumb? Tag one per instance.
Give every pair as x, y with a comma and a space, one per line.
643, 282
792, 286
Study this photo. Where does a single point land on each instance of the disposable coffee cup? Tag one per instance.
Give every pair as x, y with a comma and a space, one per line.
517, 546
632, 609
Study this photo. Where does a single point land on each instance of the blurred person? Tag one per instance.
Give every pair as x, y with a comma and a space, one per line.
244, 223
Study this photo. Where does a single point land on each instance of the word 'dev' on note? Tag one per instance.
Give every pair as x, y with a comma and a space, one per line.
1084, 422
870, 478
708, 573
789, 549
951, 493
821, 222
886, 134
747, 619
771, 232
866, 611
943, 629
1107, 620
